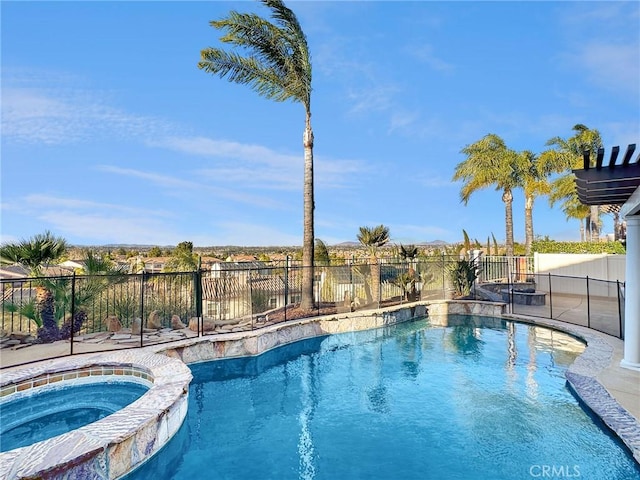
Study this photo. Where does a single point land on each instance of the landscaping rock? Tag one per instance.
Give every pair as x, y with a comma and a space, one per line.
154, 321
112, 323
176, 323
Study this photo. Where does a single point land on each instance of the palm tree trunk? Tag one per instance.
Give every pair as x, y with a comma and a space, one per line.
375, 280
507, 198
528, 223
616, 226
45, 305
595, 223
308, 234
587, 226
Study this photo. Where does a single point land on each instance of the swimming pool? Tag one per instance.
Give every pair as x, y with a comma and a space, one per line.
481, 398
57, 410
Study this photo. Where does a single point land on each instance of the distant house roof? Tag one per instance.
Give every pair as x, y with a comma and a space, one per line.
241, 258
13, 272
253, 265
56, 271
9, 272
611, 184
275, 284
221, 288
73, 264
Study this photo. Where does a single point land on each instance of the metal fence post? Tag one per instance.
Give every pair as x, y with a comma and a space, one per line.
73, 308
197, 292
286, 284
621, 335
142, 308
588, 305
550, 298
379, 282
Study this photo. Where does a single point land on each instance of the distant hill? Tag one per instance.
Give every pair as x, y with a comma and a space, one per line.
434, 243
347, 244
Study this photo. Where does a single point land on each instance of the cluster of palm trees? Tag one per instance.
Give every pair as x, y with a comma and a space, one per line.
490, 163
272, 57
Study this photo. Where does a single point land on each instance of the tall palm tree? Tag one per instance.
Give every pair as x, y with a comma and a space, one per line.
533, 183
33, 254
278, 67
373, 238
490, 163
566, 155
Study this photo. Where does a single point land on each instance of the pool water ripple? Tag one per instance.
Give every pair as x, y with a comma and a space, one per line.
411, 401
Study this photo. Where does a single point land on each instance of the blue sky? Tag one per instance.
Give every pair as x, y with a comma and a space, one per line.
111, 134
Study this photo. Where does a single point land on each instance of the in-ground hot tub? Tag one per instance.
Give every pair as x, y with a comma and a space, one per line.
49, 412
111, 446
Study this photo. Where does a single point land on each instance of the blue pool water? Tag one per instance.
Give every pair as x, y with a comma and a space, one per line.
405, 402
60, 409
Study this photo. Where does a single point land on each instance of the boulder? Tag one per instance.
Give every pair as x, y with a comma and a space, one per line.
154, 321
176, 323
207, 324
112, 324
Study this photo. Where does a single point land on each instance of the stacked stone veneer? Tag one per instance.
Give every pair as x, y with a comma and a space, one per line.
114, 445
255, 342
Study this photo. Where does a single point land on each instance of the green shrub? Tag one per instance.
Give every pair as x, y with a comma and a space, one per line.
551, 246
462, 275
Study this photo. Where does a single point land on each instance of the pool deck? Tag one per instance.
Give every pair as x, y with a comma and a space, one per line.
611, 391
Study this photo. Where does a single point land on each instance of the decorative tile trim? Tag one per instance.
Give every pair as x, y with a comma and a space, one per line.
89, 374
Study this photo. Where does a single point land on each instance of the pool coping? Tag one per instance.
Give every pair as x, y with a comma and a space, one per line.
117, 444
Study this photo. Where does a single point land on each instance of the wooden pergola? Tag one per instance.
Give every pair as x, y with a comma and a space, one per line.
611, 184
617, 185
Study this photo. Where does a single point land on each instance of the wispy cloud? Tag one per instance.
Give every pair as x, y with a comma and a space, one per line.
375, 98
95, 221
615, 66
150, 177
259, 167
189, 187
244, 164
425, 54
52, 108
603, 42
38, 201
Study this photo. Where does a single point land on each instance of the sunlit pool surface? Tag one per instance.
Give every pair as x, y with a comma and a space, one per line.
406, 402
60, 409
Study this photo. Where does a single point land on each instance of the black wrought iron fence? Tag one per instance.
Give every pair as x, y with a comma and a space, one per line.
593, 303
103, 312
